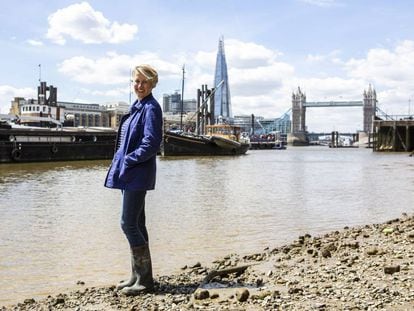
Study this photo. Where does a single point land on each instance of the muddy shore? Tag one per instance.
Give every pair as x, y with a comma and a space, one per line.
367, 267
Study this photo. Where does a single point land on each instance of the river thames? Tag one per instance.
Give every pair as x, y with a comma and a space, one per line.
59, 225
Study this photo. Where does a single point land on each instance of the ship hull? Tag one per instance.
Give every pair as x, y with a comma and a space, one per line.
182, 145
31, 145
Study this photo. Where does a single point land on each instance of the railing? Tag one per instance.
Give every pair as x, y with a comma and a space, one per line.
383, 115
396, 117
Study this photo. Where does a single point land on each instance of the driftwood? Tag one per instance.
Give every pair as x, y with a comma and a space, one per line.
212, 274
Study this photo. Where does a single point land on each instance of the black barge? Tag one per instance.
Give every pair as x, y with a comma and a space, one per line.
28, 144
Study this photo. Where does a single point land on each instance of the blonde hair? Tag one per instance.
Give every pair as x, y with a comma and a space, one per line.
148, 72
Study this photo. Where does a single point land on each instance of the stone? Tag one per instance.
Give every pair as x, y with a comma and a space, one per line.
372, 251
201, 294
242, 294
326, 253
214, 295
197, 265
391, 269
29, 301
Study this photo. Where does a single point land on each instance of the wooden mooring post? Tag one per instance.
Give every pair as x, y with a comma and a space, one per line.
393, 135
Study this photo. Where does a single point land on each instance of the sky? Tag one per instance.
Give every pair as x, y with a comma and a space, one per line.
331, 49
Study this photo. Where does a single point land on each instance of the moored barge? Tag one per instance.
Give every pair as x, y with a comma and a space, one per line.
30, 144
220, 139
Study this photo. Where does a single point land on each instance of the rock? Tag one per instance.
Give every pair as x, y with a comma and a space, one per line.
353, 245
242, 294
214, 295
261, 295
197, 265
391, 269
326, 253
58, 301
331, 247
295, 290
372, 251
201, 294
29, 301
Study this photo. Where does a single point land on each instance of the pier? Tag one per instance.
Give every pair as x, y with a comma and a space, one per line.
393, 135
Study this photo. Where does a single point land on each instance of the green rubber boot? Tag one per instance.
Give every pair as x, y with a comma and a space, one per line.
132, 279
142, 268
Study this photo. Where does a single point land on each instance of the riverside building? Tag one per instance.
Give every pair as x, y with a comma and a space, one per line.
47, 110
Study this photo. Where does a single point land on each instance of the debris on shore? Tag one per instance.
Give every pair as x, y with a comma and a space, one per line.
367, 267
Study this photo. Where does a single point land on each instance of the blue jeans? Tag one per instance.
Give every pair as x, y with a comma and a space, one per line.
133, 217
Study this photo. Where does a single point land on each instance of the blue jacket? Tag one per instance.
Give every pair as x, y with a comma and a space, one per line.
134, 164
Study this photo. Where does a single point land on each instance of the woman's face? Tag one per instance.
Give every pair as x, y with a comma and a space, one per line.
142, 86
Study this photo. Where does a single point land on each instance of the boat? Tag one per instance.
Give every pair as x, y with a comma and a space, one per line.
220, 139
37, 144
269, 141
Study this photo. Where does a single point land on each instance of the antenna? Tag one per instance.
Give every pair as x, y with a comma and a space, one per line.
182, 100
40, 72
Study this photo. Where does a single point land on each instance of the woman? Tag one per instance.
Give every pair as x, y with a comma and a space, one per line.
133, 170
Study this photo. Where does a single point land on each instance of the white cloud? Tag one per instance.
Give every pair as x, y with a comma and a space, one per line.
114, 93
81, 22
260, 80
34, 42
332, 88
249, 54
113, 68
7, 94
391, 72
332, 57
386, 67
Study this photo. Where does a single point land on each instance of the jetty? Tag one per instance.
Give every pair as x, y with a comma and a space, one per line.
393, 135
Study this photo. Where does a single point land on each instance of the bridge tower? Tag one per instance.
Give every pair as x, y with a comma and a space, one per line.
298, 112
369, 107
297, 136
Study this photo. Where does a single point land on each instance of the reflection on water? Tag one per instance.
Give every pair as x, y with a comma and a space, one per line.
60, 225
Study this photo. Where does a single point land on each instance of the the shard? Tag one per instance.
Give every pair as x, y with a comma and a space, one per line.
222, 103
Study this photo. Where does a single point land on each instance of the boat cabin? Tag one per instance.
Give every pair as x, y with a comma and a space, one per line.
224, 130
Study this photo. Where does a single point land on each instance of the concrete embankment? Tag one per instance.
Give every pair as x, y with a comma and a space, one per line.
368, 267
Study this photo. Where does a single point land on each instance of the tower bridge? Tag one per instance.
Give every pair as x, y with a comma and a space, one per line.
351, 103
298, 133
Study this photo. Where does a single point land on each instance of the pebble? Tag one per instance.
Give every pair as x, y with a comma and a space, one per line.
242, 294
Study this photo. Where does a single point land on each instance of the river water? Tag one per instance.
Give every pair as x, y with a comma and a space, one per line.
59, 225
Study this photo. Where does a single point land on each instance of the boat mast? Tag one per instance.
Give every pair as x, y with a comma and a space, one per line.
182, 100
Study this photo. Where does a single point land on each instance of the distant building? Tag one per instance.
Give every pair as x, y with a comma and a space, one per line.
115, 111
171, 103
259, 125
246, 122
222, 103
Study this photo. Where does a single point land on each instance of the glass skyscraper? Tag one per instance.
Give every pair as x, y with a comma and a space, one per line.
222, 103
